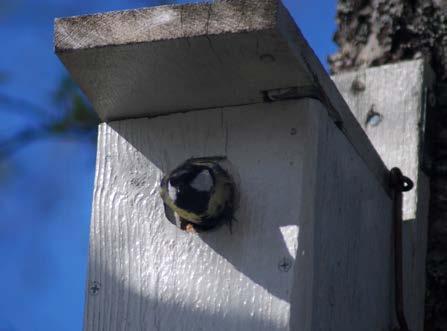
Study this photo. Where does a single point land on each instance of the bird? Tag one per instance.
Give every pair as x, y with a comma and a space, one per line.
200, 193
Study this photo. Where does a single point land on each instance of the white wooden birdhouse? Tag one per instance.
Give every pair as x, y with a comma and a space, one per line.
308, 245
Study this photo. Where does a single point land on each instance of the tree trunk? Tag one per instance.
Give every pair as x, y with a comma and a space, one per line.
376, 32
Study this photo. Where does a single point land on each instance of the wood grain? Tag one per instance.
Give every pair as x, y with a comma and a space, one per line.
397, 95
170, 59
155, 276
312, 218
353, 280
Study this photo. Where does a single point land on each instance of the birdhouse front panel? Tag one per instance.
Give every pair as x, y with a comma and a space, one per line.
303, 203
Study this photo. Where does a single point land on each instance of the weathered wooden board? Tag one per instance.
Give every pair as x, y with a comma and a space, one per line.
311, 243
173, 58
353, 279
177, 58
389, 102
156, 277
396, 94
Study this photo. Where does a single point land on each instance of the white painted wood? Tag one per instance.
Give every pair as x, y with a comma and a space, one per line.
306, 198
397, 93
353, 280
312, 243
170, 59
173, 58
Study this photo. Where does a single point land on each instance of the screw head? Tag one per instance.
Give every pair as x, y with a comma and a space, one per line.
284, 264
373, 118
94, 287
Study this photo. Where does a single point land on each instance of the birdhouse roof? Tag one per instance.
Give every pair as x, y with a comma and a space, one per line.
177, 58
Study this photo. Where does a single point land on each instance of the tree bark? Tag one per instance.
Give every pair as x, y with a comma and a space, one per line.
376, 32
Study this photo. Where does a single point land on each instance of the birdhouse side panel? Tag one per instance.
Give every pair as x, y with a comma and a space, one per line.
353, 283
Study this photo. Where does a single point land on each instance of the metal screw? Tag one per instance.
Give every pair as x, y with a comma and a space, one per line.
373, 118
284, 265
94, 287
358, 85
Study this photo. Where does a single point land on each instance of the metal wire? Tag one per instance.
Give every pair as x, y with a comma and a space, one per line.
399, 184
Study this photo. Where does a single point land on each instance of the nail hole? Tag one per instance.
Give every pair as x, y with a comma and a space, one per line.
358, 85
432, 99
267, 58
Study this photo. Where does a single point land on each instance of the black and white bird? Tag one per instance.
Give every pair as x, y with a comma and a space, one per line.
200, 192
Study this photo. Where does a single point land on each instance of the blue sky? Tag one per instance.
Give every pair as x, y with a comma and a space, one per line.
46, 187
